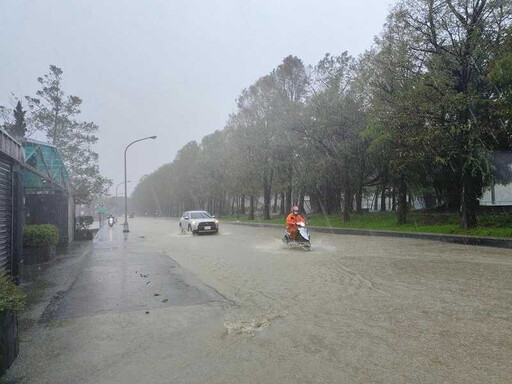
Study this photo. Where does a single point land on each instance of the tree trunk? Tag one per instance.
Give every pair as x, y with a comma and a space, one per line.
393, 198
301, 203
242, 205
351, 202
454, 197
359, 199
289, 188
360, 184
469, 204
281, 208
331, 199
429, 200
266, 200
288, 204
383, 199
314, 203
402, 201
321, 203
346, 210
251, 208
274, 208
376, 199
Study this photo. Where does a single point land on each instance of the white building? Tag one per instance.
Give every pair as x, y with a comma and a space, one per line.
497, 195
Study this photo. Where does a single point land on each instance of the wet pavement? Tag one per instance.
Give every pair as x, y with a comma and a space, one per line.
239, 307
122, 275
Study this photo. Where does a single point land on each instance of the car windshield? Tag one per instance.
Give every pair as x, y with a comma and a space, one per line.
200, 215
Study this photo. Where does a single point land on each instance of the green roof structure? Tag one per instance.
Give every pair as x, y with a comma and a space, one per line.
44, 168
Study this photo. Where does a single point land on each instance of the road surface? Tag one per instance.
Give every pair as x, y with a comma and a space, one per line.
239, 307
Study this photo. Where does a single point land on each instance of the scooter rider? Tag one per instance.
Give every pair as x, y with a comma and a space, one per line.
291, 222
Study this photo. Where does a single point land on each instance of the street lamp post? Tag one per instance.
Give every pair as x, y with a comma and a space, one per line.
117, 186
126, 228
122, 182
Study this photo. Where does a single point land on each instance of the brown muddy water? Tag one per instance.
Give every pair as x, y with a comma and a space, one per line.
240, 307
354, 309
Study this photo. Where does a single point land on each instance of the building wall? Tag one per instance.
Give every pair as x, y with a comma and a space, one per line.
502, 193
52, 208
19, 220
71, 219
11, 155
11, 209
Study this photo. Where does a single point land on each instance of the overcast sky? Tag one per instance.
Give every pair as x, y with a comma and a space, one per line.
166, 67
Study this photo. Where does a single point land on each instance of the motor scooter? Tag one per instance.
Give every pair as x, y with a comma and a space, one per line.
302, 239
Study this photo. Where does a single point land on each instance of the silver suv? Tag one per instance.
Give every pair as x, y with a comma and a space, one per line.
198, 222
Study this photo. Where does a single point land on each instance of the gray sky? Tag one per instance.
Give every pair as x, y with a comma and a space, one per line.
165, 67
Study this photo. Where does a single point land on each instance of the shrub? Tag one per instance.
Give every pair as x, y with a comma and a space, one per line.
11, 297
36, 236
84, 221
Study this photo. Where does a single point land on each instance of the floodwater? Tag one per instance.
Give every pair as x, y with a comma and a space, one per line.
356, 309
352, 310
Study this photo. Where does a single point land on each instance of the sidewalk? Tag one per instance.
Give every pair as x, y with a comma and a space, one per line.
46, 283
99, 304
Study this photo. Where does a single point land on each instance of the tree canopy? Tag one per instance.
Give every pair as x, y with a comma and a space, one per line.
56, 114
417, 118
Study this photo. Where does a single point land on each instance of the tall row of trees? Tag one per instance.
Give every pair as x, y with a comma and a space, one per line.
420, 113
56, 115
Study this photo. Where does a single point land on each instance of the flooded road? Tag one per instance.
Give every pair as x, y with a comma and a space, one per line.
353, 310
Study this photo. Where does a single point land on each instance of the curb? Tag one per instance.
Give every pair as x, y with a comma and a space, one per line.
497, 242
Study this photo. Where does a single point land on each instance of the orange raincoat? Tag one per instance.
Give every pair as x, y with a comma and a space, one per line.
291, 224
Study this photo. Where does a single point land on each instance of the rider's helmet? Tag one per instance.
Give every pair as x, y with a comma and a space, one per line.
295, 209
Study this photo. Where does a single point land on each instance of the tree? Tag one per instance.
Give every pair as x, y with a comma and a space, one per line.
291, 83
243, 175
459, 40
17, 127
6, 117
332, 124
55, 114
500, 78
394, 75
258, 120
424, 112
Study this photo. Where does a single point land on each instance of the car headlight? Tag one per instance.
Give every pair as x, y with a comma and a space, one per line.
194, 222
216, 222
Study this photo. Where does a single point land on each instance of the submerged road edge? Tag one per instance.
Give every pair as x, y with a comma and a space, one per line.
497, 242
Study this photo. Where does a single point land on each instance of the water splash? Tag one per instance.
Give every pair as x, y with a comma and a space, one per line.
252, 326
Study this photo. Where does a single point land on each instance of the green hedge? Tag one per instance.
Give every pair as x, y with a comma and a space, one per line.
44, 235
11, 297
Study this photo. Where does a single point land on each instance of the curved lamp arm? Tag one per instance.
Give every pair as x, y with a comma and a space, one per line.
125, 226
